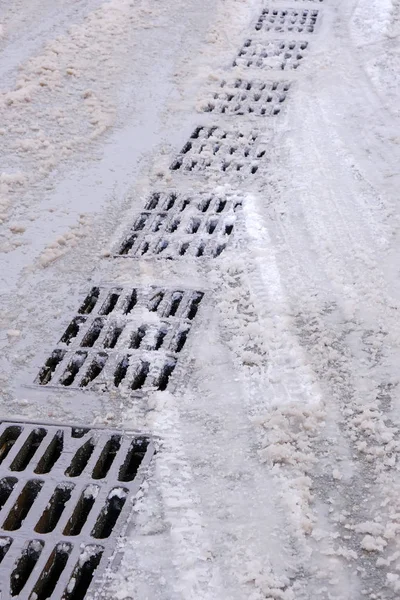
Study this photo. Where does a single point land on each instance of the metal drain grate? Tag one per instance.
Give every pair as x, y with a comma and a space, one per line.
277, 54
287, 21
118, 335
225, 151
65, 493
175, 226
248, 97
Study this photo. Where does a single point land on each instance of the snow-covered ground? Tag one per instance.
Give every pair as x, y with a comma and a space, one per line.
277, 472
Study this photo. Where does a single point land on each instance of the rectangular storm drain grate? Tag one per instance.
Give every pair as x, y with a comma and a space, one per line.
240, 97
174, 226
129, 336
65, 494
287, 21
276, 54
225, 151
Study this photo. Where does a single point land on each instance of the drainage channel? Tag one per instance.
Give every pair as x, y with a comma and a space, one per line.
248, 97
65, 494
120, 336
174, 226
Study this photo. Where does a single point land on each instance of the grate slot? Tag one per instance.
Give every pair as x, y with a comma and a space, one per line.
131, 303
80, 459
165, 374
204, 205
107, 457
127, 244
137, 337
140, 222
173, 306
110, 302
28, 450
91, 337
200, 249
7, 485
133, 460
140, 376
194, 225
159, 338
54, 508
144, 248
72, 330
5, 545
8, 439
161, 246
96, 367
155, 301
211, 225
113, 335
73, 368
83, 573
23, 505
90, 301
157, 223
81, 511
193, 306
152, 202
183, 249
109, 514
170, 201
46, 372
219, 249
52, 572
25, 565
184, 204
51, 455
173, 225
179, 340
121, 371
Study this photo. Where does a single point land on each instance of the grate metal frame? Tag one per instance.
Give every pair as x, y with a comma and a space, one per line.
123, 336
175, 226
248, 97
46, 554
277, 55
226, 151
288, 20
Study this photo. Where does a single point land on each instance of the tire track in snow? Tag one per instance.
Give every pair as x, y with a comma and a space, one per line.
197, 577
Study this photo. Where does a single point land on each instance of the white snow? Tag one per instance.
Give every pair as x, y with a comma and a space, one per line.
277, 468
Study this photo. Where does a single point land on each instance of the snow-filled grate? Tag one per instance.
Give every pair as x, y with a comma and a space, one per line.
65, 495
175, 226
240, 97
212, 148
287, 20
276, 54
129, 336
